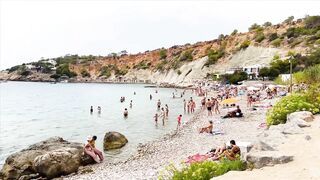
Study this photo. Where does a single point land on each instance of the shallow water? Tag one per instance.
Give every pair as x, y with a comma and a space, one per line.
31, 112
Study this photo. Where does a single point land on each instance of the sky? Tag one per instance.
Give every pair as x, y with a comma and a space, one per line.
30, 30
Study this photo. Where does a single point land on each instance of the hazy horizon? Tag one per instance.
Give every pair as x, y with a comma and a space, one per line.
30, 30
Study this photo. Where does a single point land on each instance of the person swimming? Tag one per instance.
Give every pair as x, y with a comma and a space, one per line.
91, 109
125, 113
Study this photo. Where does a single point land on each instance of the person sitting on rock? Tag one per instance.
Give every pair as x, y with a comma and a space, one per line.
234, 113
207, 129
89, 150
96, 151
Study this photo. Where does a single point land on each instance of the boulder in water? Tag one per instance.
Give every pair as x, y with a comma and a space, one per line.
50, 158
114, 140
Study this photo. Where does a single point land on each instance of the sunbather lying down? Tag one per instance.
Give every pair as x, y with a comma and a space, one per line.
235, 113
230, 153
207, 129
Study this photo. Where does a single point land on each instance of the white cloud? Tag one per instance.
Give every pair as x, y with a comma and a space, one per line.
34, 29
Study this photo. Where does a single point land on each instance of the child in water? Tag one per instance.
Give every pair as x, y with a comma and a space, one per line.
156, 117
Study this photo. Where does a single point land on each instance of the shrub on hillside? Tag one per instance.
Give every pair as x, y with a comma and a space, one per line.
254, 27
276, 42
186, 56
273, 36
234, 32
213, 56
266, 24
236, 77
259, 37
161, 65
245, 44
163, 53
312, 22
289, 19
85, 73
63, 69
204, 170
105, 71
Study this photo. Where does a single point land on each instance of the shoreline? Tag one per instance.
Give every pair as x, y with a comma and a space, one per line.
153, 157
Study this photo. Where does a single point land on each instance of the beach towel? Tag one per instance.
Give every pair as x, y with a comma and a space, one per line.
197, 158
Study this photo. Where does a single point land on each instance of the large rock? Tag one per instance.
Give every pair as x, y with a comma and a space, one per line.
114, 140
267, 158
50, 158
300, 118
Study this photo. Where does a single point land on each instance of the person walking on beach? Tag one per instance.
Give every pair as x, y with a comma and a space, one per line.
91, 109
125, 113
209, 106
193, 106
203, 104
158, 104
179, 121
167, 110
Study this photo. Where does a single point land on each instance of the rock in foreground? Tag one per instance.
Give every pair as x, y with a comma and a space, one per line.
50, 158
114, 140
267, 158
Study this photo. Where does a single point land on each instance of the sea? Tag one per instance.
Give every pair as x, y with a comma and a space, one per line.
34, 111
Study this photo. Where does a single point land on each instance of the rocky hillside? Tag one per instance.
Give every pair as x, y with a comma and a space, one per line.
183, 64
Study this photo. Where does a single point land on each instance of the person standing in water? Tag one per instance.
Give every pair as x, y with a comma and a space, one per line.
134, 93
179, 121
91, 109
99, 110
158, 104
184, 105
167, 110
156, 118
150, 97
163, 115
125, 113
131, 104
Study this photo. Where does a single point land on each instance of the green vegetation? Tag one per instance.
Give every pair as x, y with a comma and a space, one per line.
163, 54
245, 44
276, 42
85, 73
309, 101
312, 22
267, 24
289, 19
254, 26
179, 72
204, 170
161, 65
213, 56
105, 71
186, 55
142, 65
273, 36
234, 78
120, 72
63, 69
259, 37
234, 32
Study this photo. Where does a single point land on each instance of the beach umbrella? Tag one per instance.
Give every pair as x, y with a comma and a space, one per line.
230, 101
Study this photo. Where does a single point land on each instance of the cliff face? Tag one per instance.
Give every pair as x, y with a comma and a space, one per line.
186, 63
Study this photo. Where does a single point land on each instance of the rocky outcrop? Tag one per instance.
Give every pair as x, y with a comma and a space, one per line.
300, 118
50, 158
267, 158
114, 140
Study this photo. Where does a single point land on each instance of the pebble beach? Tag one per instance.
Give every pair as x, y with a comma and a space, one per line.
152, 158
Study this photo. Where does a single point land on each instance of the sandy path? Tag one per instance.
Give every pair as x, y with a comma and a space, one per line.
306, 163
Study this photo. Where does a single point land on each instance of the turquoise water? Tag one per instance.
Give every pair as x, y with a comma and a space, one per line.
31, 112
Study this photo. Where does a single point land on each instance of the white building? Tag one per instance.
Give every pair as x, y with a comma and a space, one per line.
253, 71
